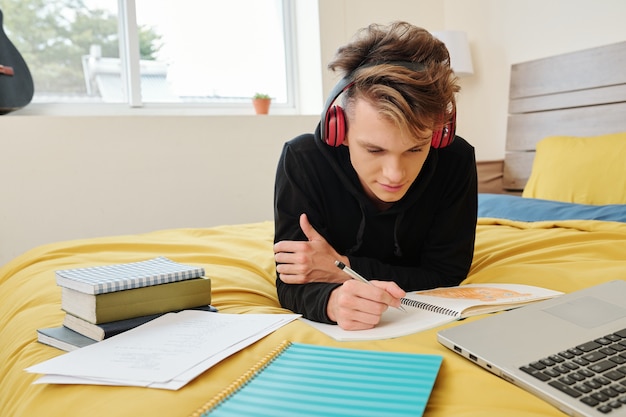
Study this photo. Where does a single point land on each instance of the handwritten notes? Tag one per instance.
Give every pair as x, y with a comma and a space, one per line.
164, 353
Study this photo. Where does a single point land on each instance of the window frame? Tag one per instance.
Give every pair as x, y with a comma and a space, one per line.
130, 59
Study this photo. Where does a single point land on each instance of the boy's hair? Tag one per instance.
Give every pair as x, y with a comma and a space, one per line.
414, 100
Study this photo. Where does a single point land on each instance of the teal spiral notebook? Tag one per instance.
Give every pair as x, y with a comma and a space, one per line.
299, 379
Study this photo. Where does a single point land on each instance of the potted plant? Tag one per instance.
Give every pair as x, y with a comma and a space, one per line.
261, 103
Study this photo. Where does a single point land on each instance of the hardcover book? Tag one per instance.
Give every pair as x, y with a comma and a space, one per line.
103, 331
63, 338
126, 304
118, 277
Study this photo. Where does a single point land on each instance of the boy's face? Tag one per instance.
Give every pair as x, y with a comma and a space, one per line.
386, 162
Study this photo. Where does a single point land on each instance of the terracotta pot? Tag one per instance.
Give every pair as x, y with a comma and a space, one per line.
261, 105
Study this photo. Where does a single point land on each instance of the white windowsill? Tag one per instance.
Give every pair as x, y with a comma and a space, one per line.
41, 109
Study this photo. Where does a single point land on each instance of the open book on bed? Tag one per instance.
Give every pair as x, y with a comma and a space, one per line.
430, 308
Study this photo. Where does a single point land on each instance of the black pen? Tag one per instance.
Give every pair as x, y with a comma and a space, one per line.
353, 274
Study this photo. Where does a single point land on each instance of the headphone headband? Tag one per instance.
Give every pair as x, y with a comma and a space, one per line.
347, 81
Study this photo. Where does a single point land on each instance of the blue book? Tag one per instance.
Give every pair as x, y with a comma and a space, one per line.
310, 380
63, 338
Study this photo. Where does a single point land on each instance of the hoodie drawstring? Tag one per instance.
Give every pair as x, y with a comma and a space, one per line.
396, 245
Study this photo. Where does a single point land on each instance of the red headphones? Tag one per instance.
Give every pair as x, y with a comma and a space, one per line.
333, 126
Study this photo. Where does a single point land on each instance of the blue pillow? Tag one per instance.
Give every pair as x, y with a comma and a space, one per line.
503, 206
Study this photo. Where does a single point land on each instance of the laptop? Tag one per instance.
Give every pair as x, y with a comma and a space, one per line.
569, 350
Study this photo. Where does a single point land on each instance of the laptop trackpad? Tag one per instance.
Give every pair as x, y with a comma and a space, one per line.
587, 312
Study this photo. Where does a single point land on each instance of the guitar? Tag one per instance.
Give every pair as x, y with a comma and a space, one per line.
16, 82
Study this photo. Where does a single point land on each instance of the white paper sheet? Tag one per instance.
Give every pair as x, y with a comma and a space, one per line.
393, 323
164, 353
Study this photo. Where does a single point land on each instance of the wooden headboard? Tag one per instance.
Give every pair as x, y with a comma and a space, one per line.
580, 93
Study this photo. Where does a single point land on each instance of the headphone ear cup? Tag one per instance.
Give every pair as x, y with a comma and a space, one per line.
445, 136
335, 126
436, 140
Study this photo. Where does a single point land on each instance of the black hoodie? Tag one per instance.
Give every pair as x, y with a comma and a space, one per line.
425, 240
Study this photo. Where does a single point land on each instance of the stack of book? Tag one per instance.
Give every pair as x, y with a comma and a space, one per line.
103, 301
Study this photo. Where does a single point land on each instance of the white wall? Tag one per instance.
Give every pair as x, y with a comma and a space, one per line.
73, 177
68, 177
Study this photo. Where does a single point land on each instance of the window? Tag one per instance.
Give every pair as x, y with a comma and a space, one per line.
194, 52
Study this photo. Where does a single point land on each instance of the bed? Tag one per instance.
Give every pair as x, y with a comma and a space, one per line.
559, 221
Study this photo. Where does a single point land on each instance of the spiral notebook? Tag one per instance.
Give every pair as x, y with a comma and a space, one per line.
297, 379
431, 308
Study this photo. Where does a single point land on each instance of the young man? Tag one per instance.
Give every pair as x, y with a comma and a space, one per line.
383, 185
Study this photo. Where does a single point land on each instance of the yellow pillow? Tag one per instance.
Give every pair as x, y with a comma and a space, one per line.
585, 170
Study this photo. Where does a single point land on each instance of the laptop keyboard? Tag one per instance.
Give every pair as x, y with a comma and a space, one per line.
593, 372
